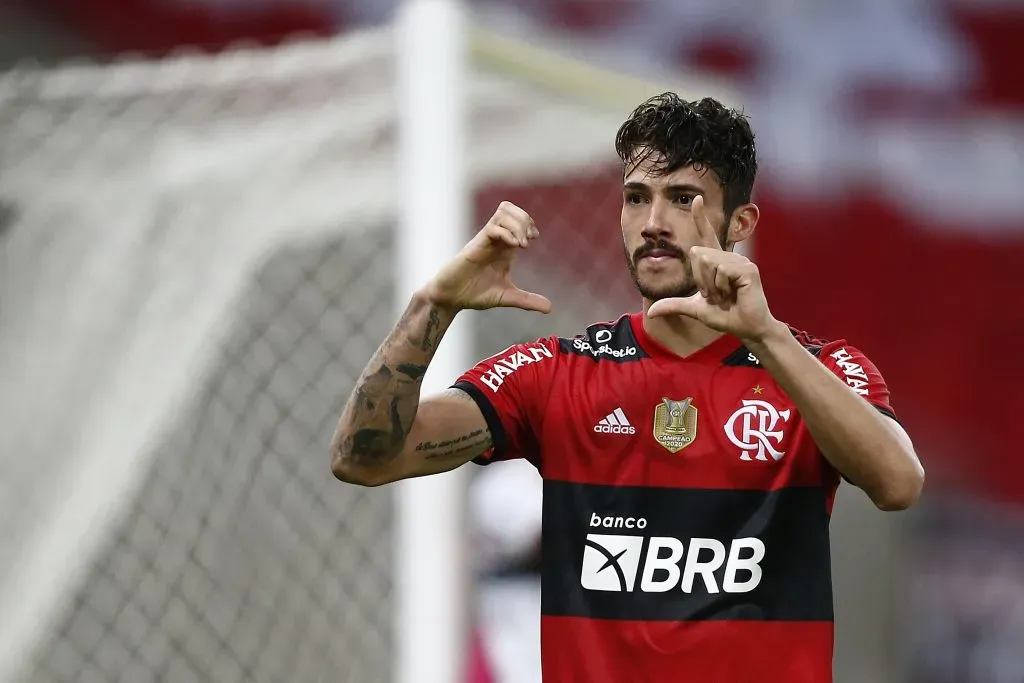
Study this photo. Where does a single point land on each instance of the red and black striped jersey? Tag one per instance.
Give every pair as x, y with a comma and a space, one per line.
686, 507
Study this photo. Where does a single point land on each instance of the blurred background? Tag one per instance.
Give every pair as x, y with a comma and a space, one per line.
198, 211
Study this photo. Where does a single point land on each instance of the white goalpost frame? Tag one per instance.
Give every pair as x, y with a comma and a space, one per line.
431, 579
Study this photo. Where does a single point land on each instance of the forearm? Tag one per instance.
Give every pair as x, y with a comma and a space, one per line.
855, 438
380, 411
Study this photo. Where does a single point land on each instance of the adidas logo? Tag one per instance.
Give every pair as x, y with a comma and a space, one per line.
614, 422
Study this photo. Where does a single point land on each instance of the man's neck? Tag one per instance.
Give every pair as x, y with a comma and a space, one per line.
681, 335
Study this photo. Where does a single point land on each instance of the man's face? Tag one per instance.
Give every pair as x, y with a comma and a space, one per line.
658, 227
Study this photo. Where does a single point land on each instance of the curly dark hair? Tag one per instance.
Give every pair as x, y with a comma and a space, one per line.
703, 133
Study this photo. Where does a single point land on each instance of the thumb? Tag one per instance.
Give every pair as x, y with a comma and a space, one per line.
690, 306
528, 301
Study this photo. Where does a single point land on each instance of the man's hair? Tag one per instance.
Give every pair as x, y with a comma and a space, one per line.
704, 134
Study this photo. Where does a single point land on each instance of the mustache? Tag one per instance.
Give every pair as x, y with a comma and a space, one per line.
660, 245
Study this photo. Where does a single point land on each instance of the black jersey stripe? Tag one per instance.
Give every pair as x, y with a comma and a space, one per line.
886, 412
666, 554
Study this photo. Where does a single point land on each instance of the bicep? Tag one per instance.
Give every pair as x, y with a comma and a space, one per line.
449, 431
901, 434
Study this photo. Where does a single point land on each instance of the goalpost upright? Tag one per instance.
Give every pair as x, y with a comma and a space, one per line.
431, 580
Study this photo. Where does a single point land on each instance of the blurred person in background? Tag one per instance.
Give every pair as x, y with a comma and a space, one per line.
966, 621
690, 452
505, 505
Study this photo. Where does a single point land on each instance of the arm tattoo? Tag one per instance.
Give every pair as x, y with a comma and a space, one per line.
431, 336
381, 410
412, 371
474, 442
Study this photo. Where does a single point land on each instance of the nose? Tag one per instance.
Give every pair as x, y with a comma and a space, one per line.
655, 227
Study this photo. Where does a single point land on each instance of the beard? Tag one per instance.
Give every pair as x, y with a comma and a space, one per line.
682, 286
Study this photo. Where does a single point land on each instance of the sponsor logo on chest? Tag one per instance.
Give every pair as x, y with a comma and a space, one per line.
613, 563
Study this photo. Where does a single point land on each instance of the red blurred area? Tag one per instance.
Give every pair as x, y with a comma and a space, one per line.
993, 30
995, 33
155, 27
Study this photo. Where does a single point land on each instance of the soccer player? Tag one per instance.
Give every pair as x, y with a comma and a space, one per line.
690, 452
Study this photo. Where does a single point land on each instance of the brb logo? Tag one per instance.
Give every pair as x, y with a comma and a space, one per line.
755, 428
613, 563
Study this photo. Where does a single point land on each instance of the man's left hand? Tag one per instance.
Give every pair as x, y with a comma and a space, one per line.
730, 297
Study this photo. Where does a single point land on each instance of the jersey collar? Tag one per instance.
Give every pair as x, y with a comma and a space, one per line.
715, 352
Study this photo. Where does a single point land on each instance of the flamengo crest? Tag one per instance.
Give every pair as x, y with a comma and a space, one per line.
756, 429
675, 424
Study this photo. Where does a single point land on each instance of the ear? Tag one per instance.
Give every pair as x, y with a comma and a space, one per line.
743, 223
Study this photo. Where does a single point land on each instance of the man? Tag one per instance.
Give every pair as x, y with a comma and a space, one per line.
690, 453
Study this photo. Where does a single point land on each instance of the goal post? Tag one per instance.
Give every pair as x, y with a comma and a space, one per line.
431, 573
542, 63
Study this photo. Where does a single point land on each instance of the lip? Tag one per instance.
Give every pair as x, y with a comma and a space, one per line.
659, 256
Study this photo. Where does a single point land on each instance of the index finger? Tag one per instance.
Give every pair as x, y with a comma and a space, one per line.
705, 230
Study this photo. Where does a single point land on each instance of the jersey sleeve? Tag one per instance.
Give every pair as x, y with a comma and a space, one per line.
511, 389
860, 374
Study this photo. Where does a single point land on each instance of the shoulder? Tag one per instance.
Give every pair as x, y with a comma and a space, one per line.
849, 363
610, 340
828, 351
831, 352
613, 341
518, 359
814, 344
540, 359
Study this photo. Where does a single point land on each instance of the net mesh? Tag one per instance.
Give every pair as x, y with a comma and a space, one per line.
236, 561
199, 265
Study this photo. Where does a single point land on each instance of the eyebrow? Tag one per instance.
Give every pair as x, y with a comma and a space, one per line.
677, 188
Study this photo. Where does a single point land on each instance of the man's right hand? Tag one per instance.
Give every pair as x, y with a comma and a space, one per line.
480, 276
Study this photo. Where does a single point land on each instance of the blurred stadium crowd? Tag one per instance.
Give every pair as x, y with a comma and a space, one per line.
892, 138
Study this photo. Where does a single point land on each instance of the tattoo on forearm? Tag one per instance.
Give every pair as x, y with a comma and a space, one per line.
430, 335
412, 370
476, 441
383, 405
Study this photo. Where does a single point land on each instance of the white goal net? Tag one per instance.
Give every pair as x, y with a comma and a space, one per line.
198, 263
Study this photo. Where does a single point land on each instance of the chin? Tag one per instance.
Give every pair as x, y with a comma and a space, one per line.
662, 282
655, 291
